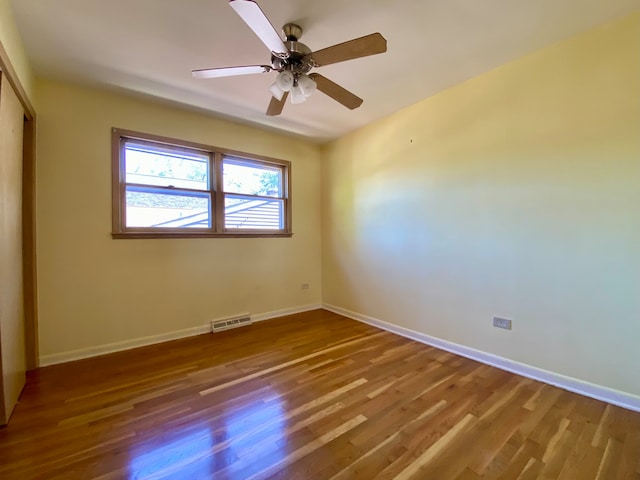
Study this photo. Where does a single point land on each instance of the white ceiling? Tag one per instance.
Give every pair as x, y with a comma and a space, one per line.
149, 47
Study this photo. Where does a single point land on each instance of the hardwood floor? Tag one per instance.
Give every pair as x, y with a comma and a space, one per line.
309, 396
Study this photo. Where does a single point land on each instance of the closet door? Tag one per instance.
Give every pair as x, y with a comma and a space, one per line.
12, 340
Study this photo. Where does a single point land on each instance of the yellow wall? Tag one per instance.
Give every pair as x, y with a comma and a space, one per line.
12, 43
94, 290
514, 194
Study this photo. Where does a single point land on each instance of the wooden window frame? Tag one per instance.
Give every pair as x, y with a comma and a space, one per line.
216, 156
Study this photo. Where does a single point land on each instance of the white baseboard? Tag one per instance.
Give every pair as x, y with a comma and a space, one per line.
284, 312
70, 356
609, 395
55, 358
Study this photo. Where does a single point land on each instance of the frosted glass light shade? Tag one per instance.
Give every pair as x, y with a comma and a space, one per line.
276, 91
297, 96
307, 85
284, 80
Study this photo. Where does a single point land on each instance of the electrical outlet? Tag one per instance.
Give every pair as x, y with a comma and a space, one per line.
502, 323
304, 286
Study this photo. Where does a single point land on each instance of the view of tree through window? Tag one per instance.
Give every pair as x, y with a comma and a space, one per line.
251, 179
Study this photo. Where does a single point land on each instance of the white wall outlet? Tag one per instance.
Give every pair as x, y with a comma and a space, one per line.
304, 286
502, 323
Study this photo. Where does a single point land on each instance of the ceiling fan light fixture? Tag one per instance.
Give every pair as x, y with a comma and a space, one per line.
285, 80
307, 85
276, 91
297, 96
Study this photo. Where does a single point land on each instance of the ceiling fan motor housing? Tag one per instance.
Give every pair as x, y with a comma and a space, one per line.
299, 60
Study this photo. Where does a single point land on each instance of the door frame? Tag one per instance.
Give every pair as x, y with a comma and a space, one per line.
29, 265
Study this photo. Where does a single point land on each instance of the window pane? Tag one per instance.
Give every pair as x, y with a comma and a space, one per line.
149, 207
253, 213
241, 176
164, 166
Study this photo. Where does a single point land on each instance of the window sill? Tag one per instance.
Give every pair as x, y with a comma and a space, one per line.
137, 235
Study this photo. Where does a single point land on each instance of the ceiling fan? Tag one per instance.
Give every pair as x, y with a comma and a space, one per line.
294, 60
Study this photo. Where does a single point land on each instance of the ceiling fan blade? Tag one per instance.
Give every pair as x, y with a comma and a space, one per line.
276, 106
356, 48
257, 21
335, 91
230, 71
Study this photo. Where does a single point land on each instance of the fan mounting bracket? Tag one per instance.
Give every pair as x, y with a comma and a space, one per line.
292, 32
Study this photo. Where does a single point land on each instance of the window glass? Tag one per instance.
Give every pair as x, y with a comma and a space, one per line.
154, 165
250, 178
148, 207
251, 212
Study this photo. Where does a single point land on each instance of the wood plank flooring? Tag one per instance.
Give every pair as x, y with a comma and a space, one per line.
308, 396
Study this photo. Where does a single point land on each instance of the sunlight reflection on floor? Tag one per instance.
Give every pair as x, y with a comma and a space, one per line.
240, 433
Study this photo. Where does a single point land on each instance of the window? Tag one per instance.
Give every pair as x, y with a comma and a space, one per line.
169, 188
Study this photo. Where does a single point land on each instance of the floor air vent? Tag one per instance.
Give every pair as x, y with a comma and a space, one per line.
233, 322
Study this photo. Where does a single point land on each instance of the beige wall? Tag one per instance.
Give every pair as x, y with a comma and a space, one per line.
12, 43
94, 290
515, 194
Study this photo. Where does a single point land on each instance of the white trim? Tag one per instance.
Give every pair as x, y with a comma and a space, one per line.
259, 317
609, 395
70, 356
